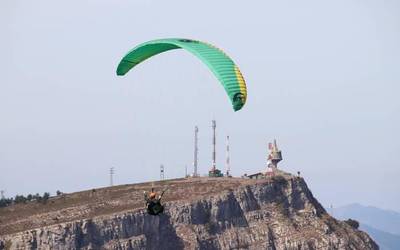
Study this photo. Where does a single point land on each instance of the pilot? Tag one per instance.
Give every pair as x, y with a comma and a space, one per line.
153, 203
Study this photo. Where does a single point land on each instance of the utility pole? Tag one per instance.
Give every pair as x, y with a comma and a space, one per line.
228, 165
162, 172
196, 151
112, 176
186, 175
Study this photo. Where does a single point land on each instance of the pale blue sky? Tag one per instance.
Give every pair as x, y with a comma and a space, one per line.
323, 79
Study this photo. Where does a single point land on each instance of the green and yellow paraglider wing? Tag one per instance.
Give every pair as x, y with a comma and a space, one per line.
217, 61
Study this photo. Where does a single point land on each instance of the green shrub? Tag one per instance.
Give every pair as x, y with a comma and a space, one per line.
6, 202
353, 223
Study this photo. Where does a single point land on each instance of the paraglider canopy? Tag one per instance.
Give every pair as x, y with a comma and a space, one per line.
217, 61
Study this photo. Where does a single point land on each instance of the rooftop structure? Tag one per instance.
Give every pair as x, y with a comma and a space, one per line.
274, 155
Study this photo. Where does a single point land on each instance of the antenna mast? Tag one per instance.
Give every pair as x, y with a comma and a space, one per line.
214, 126
196, 151
214, 172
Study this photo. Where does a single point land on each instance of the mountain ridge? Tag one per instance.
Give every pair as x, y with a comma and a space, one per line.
278, 212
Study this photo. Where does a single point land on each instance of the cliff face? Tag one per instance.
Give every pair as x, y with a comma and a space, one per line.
277, 213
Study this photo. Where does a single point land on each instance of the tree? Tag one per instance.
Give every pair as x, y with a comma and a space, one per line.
46, 196
37, 197
20, 199
6, 202
29, 197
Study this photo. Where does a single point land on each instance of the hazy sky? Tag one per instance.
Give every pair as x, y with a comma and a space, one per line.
323, 79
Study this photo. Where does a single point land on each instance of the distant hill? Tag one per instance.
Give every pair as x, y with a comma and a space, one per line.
385, 240
382, 225
384, 220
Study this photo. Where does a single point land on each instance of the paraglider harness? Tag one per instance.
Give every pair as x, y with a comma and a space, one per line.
153, 203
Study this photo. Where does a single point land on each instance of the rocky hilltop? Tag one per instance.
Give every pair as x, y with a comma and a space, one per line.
279, 212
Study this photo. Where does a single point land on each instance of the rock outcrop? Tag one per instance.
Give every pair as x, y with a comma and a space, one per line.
201, 213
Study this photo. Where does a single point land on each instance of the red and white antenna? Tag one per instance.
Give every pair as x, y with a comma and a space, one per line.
228, 163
